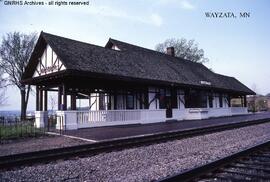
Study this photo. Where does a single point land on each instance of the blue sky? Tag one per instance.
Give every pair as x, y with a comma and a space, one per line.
236, 47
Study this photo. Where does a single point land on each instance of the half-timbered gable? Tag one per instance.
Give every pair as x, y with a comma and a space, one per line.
48, 63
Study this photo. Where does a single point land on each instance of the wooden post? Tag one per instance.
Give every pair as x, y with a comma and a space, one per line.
135, 100
140, 99
64, 98
245, 101
109, 101
146, 102
73, 101
37, 98
45, 100
101, 98
59, 98
174, 97
115, 100
229, 100
40, 99
23, 102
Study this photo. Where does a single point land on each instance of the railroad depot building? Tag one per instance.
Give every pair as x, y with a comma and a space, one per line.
125, 84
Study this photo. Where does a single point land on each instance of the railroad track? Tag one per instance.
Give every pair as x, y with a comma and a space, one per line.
30, 158
252, 164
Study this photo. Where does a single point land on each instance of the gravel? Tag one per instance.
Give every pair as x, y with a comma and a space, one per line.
146, 163
36, 144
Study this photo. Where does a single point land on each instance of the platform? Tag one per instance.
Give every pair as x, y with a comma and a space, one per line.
112, 132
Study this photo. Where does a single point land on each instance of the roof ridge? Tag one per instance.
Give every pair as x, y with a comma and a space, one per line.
154, 51
147, 49
136, 63
225, 75
75, 40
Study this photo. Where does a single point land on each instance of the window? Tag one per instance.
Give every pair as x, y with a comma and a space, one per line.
130, 102
162, 99
196, 99
168, 92
203, 100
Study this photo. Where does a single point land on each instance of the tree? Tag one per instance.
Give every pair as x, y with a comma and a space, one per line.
183, 48
261, 104
15, 51
2, 88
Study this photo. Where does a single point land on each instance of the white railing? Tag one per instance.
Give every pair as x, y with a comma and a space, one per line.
203, 113
179, 114
140, 116
239, 110
197, 113
124, 115
84, 119
218, 112
107, 115
86, 116
197, 110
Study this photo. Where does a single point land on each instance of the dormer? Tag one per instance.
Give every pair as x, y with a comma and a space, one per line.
111, 45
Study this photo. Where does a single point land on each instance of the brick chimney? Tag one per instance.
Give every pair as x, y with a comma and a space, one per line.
170, 51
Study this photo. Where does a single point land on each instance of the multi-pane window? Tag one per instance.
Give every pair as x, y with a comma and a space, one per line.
180, 98
162, 99
130, 102
196, 99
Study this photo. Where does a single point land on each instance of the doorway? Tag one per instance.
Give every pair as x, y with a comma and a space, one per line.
168, 102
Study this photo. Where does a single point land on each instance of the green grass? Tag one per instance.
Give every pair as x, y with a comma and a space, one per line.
19, 130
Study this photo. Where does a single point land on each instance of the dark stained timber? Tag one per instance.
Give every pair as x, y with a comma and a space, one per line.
103, 63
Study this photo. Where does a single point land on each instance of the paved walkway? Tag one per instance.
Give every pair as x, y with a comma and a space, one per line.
110, 132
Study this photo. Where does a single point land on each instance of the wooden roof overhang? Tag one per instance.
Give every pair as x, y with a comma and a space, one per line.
79, 77
46, 80
86, 80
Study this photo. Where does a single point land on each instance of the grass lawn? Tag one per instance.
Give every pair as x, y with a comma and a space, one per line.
18, 130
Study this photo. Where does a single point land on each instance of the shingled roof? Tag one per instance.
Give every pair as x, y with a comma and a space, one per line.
134, 62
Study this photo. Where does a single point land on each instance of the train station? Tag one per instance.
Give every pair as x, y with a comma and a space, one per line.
126, 84
134, 91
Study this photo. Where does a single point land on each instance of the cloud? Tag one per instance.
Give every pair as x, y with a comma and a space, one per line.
151, 19
156, 19
106, 11
184, 4
112, 12
187, 5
